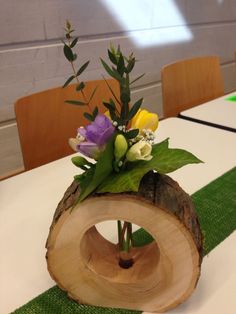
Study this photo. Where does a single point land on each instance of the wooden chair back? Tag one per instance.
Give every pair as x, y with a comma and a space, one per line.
45, 122
190, 82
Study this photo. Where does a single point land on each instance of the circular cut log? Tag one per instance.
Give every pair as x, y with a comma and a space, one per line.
164, 273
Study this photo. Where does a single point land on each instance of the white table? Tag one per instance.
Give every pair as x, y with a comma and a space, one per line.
28, 201
218, 112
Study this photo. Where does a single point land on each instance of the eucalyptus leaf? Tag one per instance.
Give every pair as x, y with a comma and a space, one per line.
109, 106
164, 160
132, 133
68, 53
82, 68
80, 86
111, 72
68, 81
130, 65
88, 116
112, 57
76, 102
111, 109
95, 112
135, 108
74, 42
121, 65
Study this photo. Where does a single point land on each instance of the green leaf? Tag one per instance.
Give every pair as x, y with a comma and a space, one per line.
76, 102
112, 57
111, 109
74, 42
82, 68
132, 133
130, 65
109, 106
85, 178
80, 86
79, 161
111, 72
95, 112
164, 160
68, 53
135, 108
102, 170
88, 116
137, 78
121, 65
68, 81
75, 57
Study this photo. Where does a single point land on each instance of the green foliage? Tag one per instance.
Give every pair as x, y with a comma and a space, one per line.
110, 174
135, 108
132, 133
80, 86
98, 174
68, 53
68, 81
164, 160
81, 162
82, 68
120, 70
76, 102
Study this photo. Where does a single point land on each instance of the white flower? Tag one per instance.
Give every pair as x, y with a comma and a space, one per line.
139, 151
74, 142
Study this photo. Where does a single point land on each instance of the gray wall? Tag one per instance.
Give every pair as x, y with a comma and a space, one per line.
157, 31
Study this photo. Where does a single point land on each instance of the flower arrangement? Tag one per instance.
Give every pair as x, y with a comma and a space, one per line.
121, 141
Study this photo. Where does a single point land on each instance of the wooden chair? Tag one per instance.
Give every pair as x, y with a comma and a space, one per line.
45, 122
190, 82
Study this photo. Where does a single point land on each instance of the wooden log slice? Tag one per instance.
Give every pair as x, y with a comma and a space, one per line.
164, 273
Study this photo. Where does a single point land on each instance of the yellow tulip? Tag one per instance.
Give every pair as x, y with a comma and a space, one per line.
107, 114
145, 120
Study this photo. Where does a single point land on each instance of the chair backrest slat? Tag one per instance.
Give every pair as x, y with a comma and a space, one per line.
190, 82
45, 122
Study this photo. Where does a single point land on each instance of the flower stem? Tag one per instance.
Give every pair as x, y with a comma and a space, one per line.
83, 94
125, 239
119, 228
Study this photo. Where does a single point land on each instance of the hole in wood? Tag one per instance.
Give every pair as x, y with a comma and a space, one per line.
103, 258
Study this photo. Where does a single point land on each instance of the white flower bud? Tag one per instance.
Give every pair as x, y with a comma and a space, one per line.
139, 151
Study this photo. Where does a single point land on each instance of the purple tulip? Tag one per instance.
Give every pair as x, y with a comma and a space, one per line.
96, 134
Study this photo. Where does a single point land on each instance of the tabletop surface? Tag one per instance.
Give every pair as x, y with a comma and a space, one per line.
219, 111
28, 202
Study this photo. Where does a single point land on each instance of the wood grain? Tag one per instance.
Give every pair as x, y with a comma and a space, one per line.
190, 82
164, 273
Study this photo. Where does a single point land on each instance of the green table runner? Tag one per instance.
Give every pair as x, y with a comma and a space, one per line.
215, 205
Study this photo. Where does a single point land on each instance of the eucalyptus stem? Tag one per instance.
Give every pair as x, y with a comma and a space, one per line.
128, 238
76, 77
119, 228
125, 239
